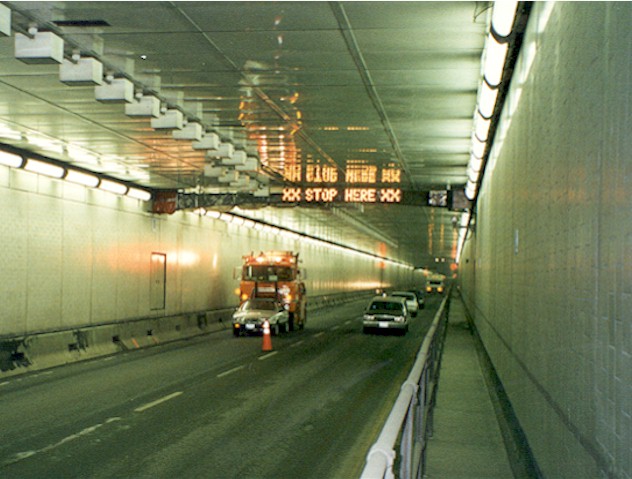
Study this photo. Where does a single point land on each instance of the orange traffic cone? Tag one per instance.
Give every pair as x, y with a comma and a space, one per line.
267, 340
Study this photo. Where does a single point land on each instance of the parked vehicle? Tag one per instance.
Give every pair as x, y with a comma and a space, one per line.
252, 313
386, 312
411, 301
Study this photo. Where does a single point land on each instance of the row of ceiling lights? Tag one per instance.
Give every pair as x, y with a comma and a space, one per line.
238, 220
494, 58
72, 175
493, 67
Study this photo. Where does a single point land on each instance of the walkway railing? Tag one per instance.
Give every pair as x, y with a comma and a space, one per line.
409, 423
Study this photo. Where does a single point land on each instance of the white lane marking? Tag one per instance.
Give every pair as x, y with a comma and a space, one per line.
348, 322
297, 343
333, 328
26, 454
266, 356
317, 335
166, 398
4, 383
230, 371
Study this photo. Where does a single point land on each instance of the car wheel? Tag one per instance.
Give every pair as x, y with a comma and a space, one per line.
365, 330
236, 332
275, 329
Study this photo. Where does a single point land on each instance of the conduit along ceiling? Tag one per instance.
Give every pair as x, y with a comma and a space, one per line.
343, 104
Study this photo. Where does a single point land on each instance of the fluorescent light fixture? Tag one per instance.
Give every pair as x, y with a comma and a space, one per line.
472, 175
43, 168
470, 190
10, 159
475, 163
113, 187
249, 224
503, 17
81, 178
481, 127
478, 148
487, 100
213, 214
139, 194
238, 221
494, 66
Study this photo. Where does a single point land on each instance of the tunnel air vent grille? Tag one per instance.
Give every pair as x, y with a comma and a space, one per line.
81, 23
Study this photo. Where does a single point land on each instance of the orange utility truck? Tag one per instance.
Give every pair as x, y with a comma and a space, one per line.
276, 274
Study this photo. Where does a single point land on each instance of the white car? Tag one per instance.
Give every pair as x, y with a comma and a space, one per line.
386, 313
411, 301
250, 316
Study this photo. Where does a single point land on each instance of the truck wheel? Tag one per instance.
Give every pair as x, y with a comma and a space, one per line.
290, 322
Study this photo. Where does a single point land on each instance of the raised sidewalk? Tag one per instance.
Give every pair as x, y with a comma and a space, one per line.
467, 442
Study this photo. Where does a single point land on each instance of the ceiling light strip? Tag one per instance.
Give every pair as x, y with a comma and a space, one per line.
72, 175
238, 220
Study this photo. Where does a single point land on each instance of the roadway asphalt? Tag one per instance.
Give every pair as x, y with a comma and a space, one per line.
214, 406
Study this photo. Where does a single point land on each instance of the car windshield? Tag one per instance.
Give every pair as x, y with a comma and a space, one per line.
390, 306
258, 304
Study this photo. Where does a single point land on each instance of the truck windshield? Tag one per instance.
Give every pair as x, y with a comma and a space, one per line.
267, 273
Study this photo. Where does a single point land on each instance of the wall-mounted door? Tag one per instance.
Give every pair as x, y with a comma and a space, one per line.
158, 280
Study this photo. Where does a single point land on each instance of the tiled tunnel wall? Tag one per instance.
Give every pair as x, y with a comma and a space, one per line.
547, 275
75, 257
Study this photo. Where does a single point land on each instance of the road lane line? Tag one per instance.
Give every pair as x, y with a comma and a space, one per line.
317, 335
4, 383
297, 343
266, 356
166, 398
20, 456
230, 371
333, 328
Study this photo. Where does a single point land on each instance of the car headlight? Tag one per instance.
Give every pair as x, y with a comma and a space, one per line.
399, 319
369, 317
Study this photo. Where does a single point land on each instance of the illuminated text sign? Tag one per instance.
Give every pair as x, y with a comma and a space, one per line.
362, 184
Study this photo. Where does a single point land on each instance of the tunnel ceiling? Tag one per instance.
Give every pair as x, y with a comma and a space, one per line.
391, 85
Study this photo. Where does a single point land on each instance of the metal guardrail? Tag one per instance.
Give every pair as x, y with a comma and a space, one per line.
409, 423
